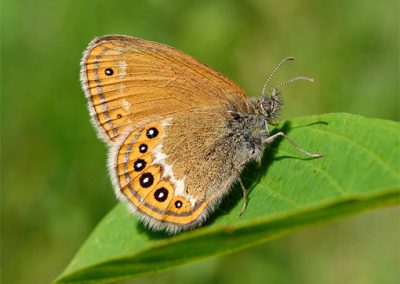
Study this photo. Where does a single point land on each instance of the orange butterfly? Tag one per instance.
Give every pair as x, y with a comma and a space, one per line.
179, 132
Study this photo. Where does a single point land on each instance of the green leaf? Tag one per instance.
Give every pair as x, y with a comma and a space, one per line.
359, 171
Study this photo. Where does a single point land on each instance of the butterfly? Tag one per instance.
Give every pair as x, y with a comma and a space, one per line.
179, 133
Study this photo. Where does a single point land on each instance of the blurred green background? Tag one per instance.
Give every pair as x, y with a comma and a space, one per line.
54, 182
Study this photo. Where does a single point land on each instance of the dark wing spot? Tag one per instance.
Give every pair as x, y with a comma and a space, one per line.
161, 194
178, 204
109, 72
139, 165
143, 148
146, 180
152, 132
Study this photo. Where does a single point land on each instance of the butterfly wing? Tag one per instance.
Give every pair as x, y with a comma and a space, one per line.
174, 171
129, 80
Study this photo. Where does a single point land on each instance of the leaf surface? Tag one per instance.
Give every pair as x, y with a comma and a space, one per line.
359, 171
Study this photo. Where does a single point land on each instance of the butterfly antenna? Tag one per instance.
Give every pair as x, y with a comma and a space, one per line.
290, 58
293, 80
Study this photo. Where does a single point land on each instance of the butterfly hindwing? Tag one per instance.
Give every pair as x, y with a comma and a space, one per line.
146, 181
127, 80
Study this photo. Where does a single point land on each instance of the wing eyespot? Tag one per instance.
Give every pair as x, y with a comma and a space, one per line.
143, 148
161, 194
146, 180
178, 204
109, 71
139, 165
152, 133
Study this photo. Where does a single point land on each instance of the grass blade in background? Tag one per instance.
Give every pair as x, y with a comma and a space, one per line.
359, 171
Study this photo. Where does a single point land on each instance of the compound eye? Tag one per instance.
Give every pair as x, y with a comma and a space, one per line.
267, 105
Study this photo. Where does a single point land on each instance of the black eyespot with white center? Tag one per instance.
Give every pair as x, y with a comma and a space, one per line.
161, 194
146, 180
119, 115
143, 148
109, 72
152, 132
178, 204
139, 165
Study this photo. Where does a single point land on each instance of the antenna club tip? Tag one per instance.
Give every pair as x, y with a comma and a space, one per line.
290, 58
311, 79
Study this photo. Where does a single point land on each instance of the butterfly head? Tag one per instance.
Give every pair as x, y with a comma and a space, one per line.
253, 127
270, 107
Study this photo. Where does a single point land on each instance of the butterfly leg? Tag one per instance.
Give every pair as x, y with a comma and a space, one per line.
244, 197
271, 139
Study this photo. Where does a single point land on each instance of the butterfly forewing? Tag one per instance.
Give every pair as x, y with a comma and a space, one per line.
129, 80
